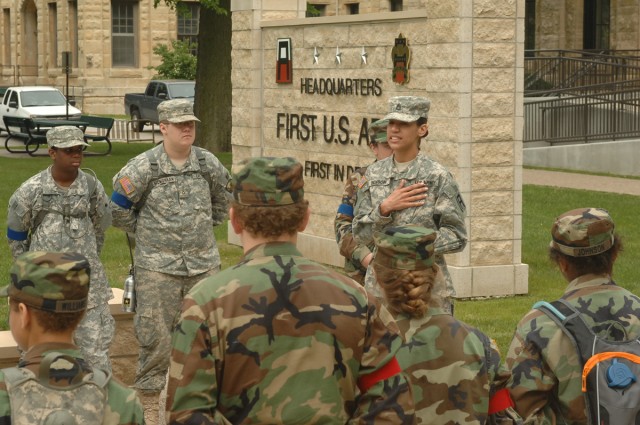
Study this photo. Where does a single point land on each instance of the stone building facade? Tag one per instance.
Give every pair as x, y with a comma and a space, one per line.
466, 56
111, 45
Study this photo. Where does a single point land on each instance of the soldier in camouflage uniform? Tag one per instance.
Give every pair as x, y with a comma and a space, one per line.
48, 295
410, 188
170, 197
454, 368
64, 208
279, 338
545, 366
357, 256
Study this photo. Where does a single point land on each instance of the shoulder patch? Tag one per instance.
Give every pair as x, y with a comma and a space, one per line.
362, 181
127, 186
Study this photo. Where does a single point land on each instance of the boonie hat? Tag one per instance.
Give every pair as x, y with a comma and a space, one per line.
176, 111
405, 247
583, 232
408, 108
378, 131
65, 136
51, 281
268, 181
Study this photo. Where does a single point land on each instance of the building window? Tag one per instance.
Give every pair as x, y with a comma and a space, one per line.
188, 21
315, 10
353, 8
395, 5
597, 22
123, 33
53, 34
6, 35
529, 27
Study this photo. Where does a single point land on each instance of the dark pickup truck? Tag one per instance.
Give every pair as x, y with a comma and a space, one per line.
142, 107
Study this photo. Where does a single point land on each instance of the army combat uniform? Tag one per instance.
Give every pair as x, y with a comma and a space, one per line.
175, 245
123, 406
72, 219
353, 252
443, 210
280, 339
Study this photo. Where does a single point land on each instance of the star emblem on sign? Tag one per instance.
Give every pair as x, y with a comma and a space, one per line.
338, 56
315, 55
363, 56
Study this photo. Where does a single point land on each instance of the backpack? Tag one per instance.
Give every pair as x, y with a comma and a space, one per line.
156, 176
92, 180
610, 369
34, 401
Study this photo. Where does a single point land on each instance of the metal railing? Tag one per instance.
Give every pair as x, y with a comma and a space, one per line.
610, 112
547, 70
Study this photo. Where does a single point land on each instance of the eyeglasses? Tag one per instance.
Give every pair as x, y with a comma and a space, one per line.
71, 151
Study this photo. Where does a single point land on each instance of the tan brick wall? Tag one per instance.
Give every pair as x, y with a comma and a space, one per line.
467, 57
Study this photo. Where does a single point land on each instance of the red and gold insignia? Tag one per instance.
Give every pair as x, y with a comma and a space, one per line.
401, 55
126, 184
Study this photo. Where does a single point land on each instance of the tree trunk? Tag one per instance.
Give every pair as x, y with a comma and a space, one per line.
213, 80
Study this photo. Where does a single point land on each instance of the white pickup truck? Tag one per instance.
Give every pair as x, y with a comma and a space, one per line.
37, 102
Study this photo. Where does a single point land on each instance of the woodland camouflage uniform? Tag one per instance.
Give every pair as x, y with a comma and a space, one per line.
60, 282
545, 366
75, 219
280, 339
454, 368
443, 209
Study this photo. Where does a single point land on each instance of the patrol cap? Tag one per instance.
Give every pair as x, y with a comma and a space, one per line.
65, 136
405, 247
408, 108
583, 232
378, 131
176, 111
268, 181
51, 281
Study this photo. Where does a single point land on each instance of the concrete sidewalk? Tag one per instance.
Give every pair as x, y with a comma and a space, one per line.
581, 181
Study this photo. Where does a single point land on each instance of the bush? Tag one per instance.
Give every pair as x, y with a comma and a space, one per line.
178, 62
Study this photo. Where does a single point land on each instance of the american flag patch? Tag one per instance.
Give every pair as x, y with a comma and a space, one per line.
362, 181
126, 184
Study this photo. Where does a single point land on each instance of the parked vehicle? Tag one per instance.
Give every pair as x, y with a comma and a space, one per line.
142, 107
37, 102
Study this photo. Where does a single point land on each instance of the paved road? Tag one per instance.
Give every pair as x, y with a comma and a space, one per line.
581, 181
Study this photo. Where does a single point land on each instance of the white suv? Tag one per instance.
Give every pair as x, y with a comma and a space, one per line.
36, 102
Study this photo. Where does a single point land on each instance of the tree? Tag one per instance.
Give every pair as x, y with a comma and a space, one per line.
213, 73
177, 62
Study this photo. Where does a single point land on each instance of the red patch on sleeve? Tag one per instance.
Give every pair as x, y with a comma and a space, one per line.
387, 371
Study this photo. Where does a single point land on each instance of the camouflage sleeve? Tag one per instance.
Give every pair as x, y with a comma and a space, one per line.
532, 384
129, 185
192, 388
347, 244
367, 218
124, 406
19, 222
449, 214
101, 216
220, 196
5, 405
386, 395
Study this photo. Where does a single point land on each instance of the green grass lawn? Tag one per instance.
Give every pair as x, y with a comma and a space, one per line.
497, 317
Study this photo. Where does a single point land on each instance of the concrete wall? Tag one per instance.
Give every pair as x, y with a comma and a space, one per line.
466, 55
620, 157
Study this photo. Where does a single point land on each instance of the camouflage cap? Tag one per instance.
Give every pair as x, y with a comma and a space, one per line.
408, 108
267, 181
583, 232
176, 111
378, 131
405, 247
50, 281
65, 136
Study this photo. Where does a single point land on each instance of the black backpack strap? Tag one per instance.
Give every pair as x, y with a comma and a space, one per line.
202, 162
